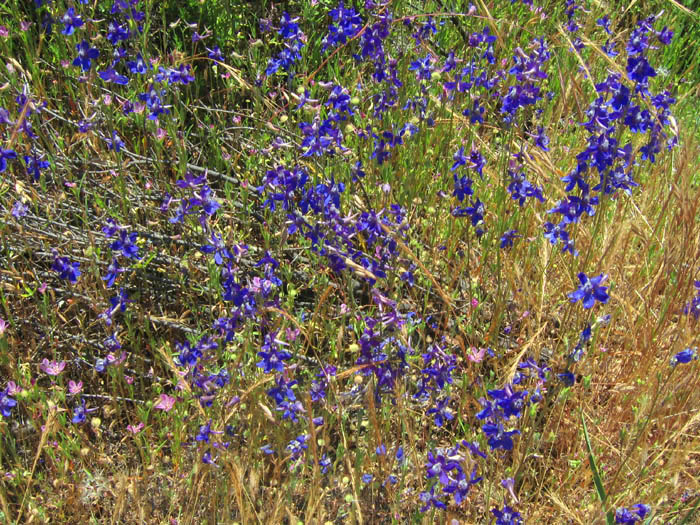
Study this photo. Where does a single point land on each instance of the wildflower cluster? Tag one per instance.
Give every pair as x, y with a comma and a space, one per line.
450, 476
290, 273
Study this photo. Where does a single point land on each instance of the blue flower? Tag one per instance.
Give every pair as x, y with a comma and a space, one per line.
71, 21
116, 32
590, 290
630, 516
218, 248
139, 65
204, 432
19, 209
80, 413
271, 358
684, 356
115, 142
442, 412
509, 401
4, 155
507, 238
215, 54
126, 244
112, 271
498, 436
110, 75
430, 500
541, 139
66, 269
507, 516
86, 55
34, 166
422, 67
693, 306
6, 403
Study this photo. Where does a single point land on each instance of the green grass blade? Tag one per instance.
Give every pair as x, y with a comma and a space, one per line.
600, 489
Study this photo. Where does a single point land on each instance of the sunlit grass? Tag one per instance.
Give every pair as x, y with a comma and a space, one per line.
307, 313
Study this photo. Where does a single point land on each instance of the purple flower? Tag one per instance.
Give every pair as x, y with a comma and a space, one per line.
19, 209
116, 32
604, 23
86, 55
52, 368
510, 402
204, 432
75, 388
541, 139
135, 429
218, 248
191, 181
165, 403
459, 158
207, 458
272, 360
288, 27
205, 199
590, 290
297, 446
438, 466
693, 306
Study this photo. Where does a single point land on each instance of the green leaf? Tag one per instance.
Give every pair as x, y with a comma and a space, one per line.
600, 489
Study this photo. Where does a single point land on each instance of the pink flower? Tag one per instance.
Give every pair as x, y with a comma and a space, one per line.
113, 360
165, 402
53, 368
75, 388
3, 326
476, 356
292, 334
135, 429
13, 389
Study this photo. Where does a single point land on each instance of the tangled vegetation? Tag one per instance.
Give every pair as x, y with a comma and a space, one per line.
377, 261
